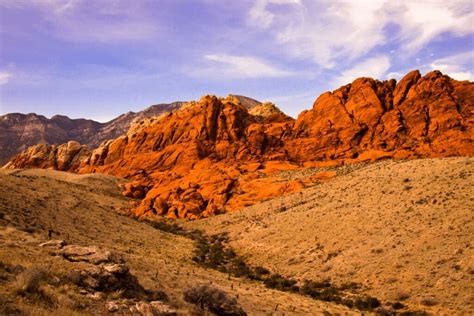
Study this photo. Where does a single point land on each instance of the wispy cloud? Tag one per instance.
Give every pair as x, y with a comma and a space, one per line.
260, 16
375, 67
220, 66
422, 21
93, 21
4, 77
331, 33
459, 66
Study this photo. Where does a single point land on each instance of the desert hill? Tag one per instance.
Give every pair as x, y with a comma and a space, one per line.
401, 228
217, 155
84, 211
397, 230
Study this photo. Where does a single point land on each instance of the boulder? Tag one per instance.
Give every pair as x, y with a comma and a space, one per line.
54, 244
91, 254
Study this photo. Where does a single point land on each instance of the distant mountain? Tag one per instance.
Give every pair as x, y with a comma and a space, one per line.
19, 131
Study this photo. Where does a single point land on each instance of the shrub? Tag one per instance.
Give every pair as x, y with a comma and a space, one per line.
213, 300
238, 268
367, 303
276, 281
261, 271
30, 280
28, 284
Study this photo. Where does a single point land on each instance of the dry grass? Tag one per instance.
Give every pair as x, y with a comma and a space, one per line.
368, 227
83, 210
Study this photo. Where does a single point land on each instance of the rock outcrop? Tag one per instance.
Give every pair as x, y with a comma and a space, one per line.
418, 117
19, 131
65, 157
220, 154
101, 272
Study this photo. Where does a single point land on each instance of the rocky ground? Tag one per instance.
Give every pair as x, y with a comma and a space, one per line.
101, 262
402, 230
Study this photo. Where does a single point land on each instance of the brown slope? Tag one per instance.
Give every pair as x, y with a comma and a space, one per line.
19, 131
214, 155
403, 229
83, 210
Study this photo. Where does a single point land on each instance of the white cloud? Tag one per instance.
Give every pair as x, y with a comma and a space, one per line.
93, 21
230, 66
459, 66
397, 75
333, 32
4, 77
422, 21
260, 16
375, 67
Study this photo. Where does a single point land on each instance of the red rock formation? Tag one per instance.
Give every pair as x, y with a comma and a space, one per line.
65, 157
428, 116
217, 155
192, 162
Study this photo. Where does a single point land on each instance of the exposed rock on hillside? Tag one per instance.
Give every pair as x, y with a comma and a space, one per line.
65, 157
19, 131
217, 154
418, 117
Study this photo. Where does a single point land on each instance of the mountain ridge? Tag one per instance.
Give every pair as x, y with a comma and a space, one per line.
214, 155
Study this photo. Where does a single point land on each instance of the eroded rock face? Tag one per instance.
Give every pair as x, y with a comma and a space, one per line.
221, 154
65, 157
191, 163
418, 117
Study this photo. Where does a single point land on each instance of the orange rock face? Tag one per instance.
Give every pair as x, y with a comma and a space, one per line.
418, 117
205, 159
65, 157
217, 155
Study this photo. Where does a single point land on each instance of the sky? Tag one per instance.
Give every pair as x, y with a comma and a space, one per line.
100, 58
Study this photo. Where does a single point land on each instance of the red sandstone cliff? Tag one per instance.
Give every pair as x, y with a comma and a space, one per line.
216, 155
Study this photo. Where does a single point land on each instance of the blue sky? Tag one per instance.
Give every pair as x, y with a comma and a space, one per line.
100, 58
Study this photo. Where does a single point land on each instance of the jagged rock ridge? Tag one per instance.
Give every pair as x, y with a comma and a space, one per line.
216, 155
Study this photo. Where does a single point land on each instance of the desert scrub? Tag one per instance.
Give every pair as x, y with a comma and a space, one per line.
278, 282
8, 271
29, 284
214, 252
30, 281
212, 299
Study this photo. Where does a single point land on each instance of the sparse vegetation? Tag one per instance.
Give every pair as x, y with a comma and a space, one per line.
213, 252
212, 299
29, 284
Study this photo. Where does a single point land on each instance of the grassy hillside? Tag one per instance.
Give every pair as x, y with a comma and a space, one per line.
402, 230
84, 210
